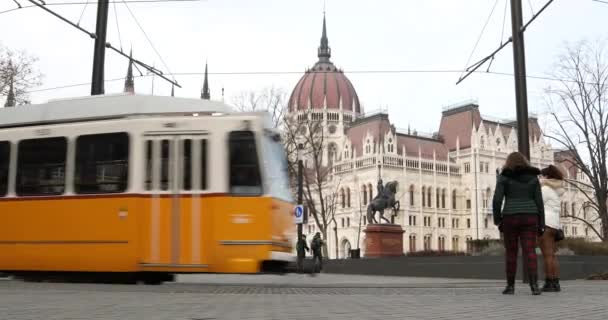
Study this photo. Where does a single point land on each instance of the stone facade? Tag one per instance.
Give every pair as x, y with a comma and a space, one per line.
446, 179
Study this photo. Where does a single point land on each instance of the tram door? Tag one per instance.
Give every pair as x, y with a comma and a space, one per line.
176, 176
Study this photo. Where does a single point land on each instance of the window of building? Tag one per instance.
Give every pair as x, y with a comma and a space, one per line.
469, 223
348, 222
441, 243
364, 194
467, 167
370, 192
342, 222
443, 198
429, 203
423, 197
412, 195
348, 197
437, 198
485, 223
5, 156
468, 203
364, 220
574, 209
412, 243
427, 242
454, 203
244, 167
342, 198
102, 163
455, 246
574, 231
469, 245
427, 221
41, 166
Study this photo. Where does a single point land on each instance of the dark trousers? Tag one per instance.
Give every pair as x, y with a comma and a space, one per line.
300, 263
520, 228
317, 260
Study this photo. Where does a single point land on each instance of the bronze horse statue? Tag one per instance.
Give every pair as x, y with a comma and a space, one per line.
384, 199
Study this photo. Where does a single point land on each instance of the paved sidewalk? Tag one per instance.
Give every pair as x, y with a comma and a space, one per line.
234, 297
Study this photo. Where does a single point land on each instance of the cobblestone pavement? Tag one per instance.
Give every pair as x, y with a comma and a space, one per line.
326, 296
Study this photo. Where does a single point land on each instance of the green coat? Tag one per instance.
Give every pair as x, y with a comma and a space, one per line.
521, 192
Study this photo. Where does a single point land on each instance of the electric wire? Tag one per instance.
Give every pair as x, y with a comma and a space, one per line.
148, 38
82, 13
481, 33
81, 3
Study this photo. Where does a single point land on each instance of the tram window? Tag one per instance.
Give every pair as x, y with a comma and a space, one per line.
41, 166
164, 164
203, 164
187, 165
5, 151
244, 167
102, 163
148, 181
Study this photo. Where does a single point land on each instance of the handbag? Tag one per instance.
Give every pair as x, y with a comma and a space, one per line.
559, 235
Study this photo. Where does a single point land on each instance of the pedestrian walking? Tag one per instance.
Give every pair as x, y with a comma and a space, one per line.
522, 218
552, 187
317, 252
301, 248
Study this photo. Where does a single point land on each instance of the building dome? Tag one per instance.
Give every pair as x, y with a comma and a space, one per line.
324, 85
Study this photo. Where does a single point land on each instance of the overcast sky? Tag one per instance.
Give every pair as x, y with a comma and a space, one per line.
283, 35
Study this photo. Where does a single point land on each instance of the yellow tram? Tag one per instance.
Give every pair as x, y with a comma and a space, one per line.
141, 185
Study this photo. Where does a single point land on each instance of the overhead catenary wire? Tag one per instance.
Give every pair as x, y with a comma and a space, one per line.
82, 13
81, 3
483, 29
117, 25
107, 45
184, 74
479, 63
148, 38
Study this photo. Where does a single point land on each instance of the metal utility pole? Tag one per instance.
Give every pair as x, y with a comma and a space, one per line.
97, 85
521, 95
519, 64
300, 184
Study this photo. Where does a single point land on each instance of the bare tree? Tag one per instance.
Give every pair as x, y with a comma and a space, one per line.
320, 190
17, 68
579, 110
271, 99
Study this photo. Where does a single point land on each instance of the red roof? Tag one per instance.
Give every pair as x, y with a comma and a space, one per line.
324, 83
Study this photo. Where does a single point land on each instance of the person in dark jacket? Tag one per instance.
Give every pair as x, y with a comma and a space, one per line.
522, 218
301, 248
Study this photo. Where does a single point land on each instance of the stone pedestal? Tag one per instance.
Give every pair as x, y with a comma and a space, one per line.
383, 240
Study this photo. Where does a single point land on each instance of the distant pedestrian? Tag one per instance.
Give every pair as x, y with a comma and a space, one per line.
317, 252
301, 248
552, 182
522, 218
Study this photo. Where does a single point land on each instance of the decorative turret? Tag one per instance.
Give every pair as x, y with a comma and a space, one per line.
205, 95
129, 80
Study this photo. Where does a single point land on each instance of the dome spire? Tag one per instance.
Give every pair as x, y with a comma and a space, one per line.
324, 52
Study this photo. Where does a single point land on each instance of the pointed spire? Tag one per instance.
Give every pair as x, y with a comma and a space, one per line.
324, 52
129, 80
205, 95
10, 98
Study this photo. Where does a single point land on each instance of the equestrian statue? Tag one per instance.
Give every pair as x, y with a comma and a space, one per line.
385, 199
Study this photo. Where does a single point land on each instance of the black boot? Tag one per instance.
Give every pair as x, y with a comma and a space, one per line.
548, 286
510, 289
556, 286
534, 285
